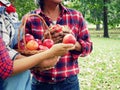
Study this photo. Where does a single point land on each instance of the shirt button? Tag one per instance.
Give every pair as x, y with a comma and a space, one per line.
53, 78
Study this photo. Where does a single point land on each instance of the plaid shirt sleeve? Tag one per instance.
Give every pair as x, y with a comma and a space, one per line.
6, 64
83, 37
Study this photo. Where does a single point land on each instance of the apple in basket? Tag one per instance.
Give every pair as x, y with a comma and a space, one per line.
41, 47
38, 41
69, 39
21, 45
28, 37
32, 45
57, 28
48, 43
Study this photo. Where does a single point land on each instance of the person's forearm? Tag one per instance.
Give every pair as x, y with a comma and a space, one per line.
23, 64
19, 56
47, 63
26, 63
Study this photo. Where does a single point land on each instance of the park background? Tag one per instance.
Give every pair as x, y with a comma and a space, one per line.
101, 69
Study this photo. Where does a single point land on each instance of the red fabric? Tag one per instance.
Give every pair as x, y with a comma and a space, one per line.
9, 9
6, 64
1, 4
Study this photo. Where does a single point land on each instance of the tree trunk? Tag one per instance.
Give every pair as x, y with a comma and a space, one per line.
105, 20
97, 27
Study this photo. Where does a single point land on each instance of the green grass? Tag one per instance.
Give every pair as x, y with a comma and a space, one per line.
101, 69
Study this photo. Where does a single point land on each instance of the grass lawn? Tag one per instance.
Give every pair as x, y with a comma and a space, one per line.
101, 69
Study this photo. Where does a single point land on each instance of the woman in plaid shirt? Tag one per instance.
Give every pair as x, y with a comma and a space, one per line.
64, 75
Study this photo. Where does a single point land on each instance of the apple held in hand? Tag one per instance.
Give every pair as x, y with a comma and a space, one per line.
48, 43
69, 39
32, 45
28, 37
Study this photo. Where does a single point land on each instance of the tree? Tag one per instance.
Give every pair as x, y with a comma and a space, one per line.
105, 18
114, 13
96, 12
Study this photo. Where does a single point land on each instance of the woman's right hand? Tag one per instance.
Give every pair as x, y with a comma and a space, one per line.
61, 49
46, 64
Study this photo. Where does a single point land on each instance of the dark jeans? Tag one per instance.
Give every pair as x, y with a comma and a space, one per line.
70, 83
1, 84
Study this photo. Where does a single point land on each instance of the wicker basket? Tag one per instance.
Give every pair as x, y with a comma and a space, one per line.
22, 30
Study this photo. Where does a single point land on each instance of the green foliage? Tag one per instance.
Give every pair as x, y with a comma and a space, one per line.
93, 10
24, 6
114, 13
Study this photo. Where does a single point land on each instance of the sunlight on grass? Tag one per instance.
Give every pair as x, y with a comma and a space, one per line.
101, 69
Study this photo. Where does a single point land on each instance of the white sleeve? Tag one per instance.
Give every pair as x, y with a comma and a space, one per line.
6, 35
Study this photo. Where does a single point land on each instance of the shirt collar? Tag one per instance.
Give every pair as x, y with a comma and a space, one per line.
64, 9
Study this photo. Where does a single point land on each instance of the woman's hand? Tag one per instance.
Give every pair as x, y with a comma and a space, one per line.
58, 37
46, 64
61, 49
56, 51
57, 33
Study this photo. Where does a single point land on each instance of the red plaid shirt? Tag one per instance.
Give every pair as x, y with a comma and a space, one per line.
68, 64
6, 64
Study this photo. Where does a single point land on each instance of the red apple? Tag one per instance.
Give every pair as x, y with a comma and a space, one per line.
22, 45
56, 28
28, 37
59, 28
38, 41
48, 43
41, 47
69, 39
32, 45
